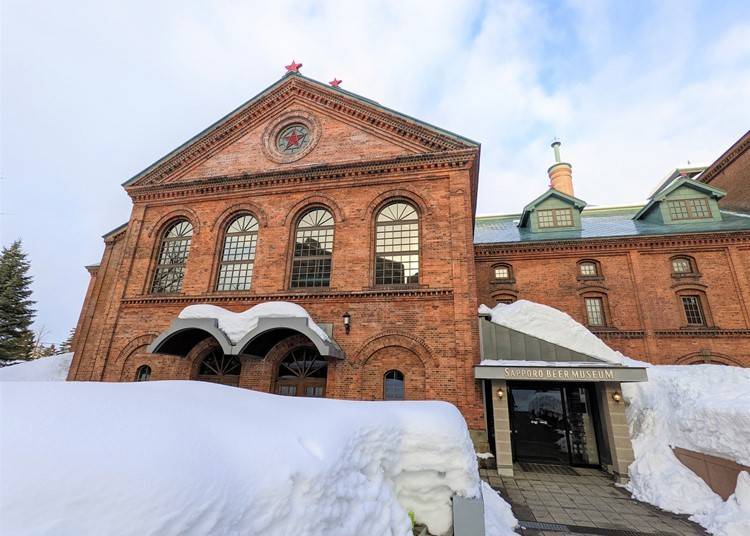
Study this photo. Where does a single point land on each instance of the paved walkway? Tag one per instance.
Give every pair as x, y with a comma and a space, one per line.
584, 501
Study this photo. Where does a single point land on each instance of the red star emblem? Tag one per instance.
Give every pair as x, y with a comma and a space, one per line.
335, 82
293, 67
293, 140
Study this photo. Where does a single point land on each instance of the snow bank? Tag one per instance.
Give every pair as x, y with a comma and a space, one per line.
551, 325
236, 325
498, 517
181, 457
50, 369
704, 408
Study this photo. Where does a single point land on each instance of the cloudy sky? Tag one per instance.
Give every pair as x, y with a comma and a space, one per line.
93, 92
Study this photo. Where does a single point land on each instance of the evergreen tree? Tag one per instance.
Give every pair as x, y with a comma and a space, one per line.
16, 306
67, 345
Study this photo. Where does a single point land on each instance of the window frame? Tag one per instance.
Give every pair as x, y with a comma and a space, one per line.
138, 373
604, 314
598, 273
293, 247
554, 212
374, 249
701, 310
511, 274
158, 249
221, 245
689, 207
403, 384
693, 267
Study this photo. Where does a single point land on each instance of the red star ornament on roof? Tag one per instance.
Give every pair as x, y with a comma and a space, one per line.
335, 82
293, 67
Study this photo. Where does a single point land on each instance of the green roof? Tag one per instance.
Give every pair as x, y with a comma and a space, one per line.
600, 222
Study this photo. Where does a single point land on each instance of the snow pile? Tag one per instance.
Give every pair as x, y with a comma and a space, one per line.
551, 325
53, 368
180, 457
704, 408
498, 517
236, 325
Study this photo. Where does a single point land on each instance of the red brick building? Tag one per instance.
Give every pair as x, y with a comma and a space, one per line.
365, 217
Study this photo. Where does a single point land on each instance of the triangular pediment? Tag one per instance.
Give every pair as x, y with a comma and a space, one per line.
334, 126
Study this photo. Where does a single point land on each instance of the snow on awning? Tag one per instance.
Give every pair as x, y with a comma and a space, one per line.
530, 341
236, 331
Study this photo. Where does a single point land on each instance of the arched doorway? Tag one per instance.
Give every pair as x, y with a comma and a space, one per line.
217, 367
302, 372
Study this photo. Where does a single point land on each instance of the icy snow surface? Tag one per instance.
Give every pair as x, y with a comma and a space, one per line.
705, 408
498, 517
53, 368
236, 325
185, 457
551, 325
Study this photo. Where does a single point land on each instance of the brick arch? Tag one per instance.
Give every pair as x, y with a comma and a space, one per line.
422, 206
239, 209
133, 355
396, 338
393, 357
132, 346
181, 213
699, 358
307, 203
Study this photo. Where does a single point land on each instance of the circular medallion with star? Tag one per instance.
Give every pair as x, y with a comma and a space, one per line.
292, 139
291, 136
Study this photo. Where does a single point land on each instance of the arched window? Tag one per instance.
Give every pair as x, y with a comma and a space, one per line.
236, 269
173, 254
683, 266
397, 245
143, 374
502, 273
302, 372
589, 269
313, 249
393, 385
216, 367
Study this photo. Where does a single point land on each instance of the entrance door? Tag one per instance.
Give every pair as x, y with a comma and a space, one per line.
553, 424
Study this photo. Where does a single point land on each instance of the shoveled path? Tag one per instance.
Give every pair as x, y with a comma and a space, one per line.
555, 500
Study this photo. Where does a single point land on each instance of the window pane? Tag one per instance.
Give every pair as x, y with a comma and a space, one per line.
545, 218
556, 217
173, 254
143, 374
588, 268
397, 245
685, 209
693, 310
393, 387
502, 272
238, 255
699, 208
595, 311
681, 266
313, 249
506, 300
563, 217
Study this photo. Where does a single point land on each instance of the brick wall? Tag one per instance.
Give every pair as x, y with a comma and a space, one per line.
731, 172
645, 318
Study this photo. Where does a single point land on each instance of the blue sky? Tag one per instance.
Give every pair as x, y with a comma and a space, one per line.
93, 92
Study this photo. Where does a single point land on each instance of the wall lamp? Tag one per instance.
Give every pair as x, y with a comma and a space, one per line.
500, 394
347, 322
616, 396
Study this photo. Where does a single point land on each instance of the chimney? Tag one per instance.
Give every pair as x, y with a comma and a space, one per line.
560, 173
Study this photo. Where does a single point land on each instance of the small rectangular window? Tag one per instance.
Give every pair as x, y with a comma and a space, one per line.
595, 311
502, 272
588, 269
693, 310
556, 217
689, 209
681, 266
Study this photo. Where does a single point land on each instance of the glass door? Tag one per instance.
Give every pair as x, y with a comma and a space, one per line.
553, 424
539, 430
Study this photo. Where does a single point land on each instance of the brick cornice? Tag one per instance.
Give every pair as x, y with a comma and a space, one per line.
482, 251
317, 296
702, 333
295, 177
740, 146
619, 334
291, 88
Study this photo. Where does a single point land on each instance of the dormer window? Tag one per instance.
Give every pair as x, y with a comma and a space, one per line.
556, 217
689, 209
503, 272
